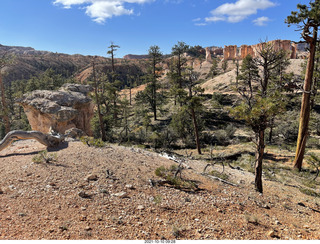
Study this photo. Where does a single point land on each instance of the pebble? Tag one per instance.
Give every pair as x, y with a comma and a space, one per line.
12, 187
82, 194
104, 191
140, 207
122, 194
83, 218
266, 206
92, 178
131, 187
271, 234
88, 228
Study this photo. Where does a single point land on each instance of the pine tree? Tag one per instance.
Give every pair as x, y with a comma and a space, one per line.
114, 83
98, 101
177, 69
156, 57
259, 101
307, 18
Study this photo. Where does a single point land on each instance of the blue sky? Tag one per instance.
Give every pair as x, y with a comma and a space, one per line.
89, 26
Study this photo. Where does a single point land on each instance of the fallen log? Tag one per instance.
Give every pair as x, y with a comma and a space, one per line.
45, 139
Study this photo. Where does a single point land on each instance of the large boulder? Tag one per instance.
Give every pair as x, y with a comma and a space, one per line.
69, 107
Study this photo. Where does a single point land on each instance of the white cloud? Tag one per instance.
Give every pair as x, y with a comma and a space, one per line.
201, 24
238, 11
100, 10
173, 1
261, 21
215, 18
196, 20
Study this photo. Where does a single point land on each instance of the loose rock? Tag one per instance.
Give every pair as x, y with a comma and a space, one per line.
122, 194
82, 194
271, 234
140, 207
92, 178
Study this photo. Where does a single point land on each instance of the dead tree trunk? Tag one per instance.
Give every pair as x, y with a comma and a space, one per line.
45, 139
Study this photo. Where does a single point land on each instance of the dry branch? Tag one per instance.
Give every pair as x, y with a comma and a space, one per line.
45, 139
219, 179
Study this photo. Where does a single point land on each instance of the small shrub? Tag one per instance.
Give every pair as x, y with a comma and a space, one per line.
219, 175
217, 99
251, 218
177, 231
157, 199
309, 192
169, 175
313, 143
246, 162
314, 161
44, 157
163, 139
92, 142
309, 183
160, 171
223, 137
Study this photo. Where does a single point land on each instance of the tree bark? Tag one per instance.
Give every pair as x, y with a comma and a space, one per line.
305, 106
259, 158
45, 139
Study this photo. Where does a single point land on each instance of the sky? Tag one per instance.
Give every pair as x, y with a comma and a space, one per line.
88, 27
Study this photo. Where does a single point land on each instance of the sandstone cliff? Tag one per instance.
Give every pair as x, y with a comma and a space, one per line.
233, 52
59, 110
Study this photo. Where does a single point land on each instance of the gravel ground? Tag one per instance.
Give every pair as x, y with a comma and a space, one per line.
106, 194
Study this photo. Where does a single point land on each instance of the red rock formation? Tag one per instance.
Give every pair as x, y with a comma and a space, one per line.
230, 52
293, 51
208, 54
245, 50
